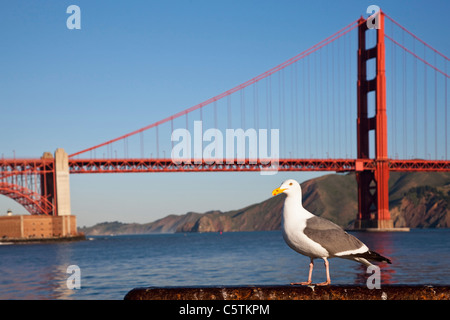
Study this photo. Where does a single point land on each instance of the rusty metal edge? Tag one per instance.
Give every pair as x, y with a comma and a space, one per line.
288, 292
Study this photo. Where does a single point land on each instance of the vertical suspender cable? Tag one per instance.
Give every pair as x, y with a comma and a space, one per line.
157, 142
405, 121
415, 102
339, 104
445, 108
345, 105
393, 96
328, 102
333, 106
242, 95
283, 110
141, 138
425, 104
296, 110
215, 114
229, 112
315, 121
171, 130
292, 145
435, 112
304, 108
270, 102
321, 106
187, 121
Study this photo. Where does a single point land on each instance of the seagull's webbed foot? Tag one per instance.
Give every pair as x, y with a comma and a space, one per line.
326, 283
304, 283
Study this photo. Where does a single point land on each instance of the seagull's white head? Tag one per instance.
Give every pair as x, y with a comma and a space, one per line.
289, 187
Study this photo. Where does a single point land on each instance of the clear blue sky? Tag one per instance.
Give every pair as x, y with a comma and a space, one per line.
136, 62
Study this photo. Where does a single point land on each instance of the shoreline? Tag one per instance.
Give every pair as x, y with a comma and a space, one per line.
79, 237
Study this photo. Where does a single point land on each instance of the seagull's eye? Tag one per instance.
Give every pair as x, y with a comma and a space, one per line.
290, 184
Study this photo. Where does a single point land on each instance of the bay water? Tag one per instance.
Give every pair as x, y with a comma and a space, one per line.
109, 266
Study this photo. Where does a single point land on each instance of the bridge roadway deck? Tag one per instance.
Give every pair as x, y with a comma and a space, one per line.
167, 165
11, 167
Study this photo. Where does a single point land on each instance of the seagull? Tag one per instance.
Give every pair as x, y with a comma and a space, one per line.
316, 237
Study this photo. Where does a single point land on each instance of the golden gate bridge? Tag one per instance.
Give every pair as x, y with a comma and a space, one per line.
333, 104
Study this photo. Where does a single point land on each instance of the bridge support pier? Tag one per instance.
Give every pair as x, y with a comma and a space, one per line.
56, 222
62, 184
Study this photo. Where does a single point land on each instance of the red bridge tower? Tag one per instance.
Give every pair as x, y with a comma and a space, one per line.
373, 188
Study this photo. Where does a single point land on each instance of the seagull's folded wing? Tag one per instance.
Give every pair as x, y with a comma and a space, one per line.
332, 237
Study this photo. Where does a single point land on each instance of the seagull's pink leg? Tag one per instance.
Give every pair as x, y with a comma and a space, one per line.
311, 266
327, 267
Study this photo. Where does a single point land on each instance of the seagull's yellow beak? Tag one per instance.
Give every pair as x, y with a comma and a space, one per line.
277, 191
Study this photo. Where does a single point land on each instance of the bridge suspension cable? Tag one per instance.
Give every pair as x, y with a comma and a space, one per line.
314, 66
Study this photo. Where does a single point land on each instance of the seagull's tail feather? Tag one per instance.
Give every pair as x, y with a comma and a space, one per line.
372, 256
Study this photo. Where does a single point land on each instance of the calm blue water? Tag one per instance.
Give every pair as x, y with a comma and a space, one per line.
113, 265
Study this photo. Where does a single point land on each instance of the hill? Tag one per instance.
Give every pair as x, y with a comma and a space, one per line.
417, 200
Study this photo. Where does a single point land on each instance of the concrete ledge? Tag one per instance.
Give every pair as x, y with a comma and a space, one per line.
287, 292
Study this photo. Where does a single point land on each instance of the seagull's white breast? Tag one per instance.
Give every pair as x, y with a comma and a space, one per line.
293, 224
